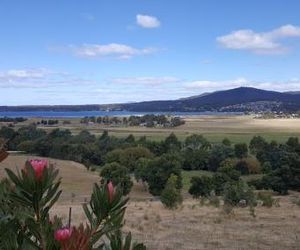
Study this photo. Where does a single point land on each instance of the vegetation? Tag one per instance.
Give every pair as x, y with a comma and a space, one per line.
26, 199
13, 119
171, 196
149, 121
154, 162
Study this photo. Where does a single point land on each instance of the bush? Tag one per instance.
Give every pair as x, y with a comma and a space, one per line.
25, 221
234, 192
248, 166
201, 186
171, 195
267, 199
241, 150
118, 174
159, 170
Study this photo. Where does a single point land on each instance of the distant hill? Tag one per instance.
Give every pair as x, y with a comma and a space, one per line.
239, 99
234, 100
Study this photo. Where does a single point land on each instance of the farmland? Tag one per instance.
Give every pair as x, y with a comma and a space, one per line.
215, 128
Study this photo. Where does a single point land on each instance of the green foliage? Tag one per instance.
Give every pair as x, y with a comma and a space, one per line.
224, 175
25, 202
241, 150
257, 144
195, 159
172, 144
248, 166
196, 141
117, 242
226, 142
218, 154
128, 157
266, 199
171, 195
159, 170
118, 174
201, 186
236, 191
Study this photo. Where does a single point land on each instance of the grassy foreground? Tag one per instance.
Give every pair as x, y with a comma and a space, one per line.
192, 226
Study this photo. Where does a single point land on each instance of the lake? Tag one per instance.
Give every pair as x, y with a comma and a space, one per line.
79, 114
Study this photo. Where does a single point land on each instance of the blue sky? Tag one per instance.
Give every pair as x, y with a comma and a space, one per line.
109, 51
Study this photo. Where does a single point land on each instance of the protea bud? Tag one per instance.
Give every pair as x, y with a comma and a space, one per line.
63, 234
111, 191
38, 167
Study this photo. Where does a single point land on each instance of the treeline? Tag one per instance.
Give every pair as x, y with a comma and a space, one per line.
155, 161
12, 119
145, 120
48, 122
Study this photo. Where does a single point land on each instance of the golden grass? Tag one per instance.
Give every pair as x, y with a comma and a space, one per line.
215, 128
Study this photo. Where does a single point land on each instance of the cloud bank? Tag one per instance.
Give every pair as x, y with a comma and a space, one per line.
270, 42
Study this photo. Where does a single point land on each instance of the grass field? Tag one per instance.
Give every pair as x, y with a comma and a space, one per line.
215, 128
192, 226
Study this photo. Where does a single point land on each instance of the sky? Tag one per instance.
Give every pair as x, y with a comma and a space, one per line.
118, 51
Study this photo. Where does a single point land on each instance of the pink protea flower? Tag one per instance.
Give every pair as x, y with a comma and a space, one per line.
63, 234
111, 191
38, 167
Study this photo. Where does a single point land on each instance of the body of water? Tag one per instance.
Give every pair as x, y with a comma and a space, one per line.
79, 114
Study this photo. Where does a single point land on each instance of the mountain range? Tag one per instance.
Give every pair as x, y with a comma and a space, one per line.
243, 99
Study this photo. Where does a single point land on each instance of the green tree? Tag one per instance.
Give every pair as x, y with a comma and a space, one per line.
171, 195
241, 150
159, 171
118, 174
201, 186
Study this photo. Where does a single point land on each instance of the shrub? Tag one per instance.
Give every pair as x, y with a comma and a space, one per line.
234, 192
171, 195
118, 174
248, 166
241, 150
27, 198
266, 198
201, 186
159, 170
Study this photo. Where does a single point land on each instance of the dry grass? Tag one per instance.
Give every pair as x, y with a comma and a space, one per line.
215, 128
192, 226
76, 180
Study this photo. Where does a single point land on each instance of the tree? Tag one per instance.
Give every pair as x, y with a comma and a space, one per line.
118, 174
236, 191
196, 142
201, 186
159, 170
128, 157
195, 159
257, 144
226, 142
218, 154
171, 195
241, 150
248, 166
172, 144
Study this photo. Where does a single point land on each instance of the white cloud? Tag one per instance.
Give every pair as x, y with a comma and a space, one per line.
148, 22
112, 50
209, 86
145, 80
38, 78
260, 43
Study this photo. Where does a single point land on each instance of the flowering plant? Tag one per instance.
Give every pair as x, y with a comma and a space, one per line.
26, 199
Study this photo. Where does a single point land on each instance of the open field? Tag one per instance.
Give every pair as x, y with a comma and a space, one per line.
192, 226
215, 128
